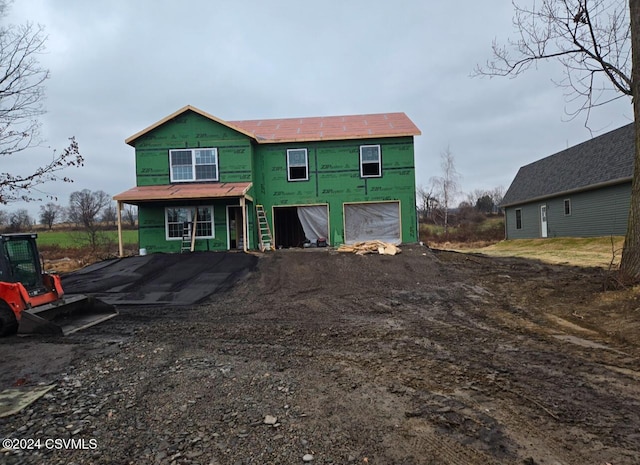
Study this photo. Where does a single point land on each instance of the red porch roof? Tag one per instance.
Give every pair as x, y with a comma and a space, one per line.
186, 191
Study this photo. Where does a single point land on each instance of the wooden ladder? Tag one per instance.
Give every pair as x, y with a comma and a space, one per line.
189, 237
266, 240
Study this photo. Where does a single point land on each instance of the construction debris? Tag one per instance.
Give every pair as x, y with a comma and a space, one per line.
362, 248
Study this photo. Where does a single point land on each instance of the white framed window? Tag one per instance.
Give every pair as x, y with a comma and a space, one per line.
180, 219
370, 161
187, 165
297, 165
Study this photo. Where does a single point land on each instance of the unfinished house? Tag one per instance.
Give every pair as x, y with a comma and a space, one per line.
207, 184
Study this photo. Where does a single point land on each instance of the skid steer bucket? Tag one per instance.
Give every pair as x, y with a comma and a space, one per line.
65, 316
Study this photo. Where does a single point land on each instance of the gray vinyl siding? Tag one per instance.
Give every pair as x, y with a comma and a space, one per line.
601, 212
530, 222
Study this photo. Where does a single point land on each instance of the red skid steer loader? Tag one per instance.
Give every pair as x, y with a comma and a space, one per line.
32, 301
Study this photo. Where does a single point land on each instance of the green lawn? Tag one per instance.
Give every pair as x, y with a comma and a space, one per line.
73, 239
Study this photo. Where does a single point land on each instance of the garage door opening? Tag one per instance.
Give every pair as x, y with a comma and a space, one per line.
295, 226
372, 221
287, 227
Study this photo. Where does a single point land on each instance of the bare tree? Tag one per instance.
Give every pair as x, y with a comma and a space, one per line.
426, 201
630, 261
447, 186
486, 200
474, 195
484, 204
21, 104
598, 44
84, 209
497, 194
49, 213
589, 38
131, 215
109, 214
20, 220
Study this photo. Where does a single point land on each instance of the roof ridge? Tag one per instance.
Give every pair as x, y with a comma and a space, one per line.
307, 129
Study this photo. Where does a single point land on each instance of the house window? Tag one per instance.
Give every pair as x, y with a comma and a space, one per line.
193, 165
567, 207
518, 218
297, 165
370, 164
179, 218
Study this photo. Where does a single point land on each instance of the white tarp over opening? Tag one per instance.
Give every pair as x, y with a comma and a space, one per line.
372, 221
315, 221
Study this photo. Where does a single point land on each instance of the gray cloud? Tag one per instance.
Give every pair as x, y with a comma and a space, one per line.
119, 66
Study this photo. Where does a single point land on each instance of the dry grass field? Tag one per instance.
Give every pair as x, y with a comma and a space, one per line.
602, 252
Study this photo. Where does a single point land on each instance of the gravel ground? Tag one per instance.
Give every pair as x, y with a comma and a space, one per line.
422, 358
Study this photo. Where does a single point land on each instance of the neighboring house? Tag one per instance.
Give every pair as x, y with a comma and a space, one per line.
339, 178
582, 191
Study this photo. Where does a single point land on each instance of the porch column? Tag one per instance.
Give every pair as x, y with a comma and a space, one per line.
245, 226
120, 246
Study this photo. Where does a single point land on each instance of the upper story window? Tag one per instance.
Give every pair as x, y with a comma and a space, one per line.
370, 161
297, 165
193, 165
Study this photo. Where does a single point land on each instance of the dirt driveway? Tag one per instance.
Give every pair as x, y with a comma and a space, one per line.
422, 358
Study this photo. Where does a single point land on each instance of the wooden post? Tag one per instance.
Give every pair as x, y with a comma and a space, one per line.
245, 226
120, 246
194, 228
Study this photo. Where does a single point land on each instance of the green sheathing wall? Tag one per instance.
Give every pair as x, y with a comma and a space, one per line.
190, 130
334, 179
152, 232
601, 212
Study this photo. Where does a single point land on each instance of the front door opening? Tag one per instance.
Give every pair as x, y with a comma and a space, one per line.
235, 227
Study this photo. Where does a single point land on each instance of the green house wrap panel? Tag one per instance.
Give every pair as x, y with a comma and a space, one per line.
191, 130
152, 229
334, 178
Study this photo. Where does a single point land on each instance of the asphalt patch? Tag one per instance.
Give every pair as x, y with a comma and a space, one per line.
160, 279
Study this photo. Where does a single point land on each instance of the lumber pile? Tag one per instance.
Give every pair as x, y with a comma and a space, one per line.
362, 248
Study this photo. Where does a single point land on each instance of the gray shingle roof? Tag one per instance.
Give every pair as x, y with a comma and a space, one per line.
604, 159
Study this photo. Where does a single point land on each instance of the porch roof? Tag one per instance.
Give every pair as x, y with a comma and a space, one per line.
186, 191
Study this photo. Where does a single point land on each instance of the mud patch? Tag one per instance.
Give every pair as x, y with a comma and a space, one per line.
585, 342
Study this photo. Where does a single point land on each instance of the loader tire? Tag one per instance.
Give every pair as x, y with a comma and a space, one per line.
8, 322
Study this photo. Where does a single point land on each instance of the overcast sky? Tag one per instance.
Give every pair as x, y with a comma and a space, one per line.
119, 66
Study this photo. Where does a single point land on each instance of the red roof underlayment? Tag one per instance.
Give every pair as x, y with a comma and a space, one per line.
184, 191
329, 127
270, 131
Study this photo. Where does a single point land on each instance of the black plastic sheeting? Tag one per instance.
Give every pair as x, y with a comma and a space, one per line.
160, 279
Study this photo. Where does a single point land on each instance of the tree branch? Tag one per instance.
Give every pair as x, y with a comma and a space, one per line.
589, 38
